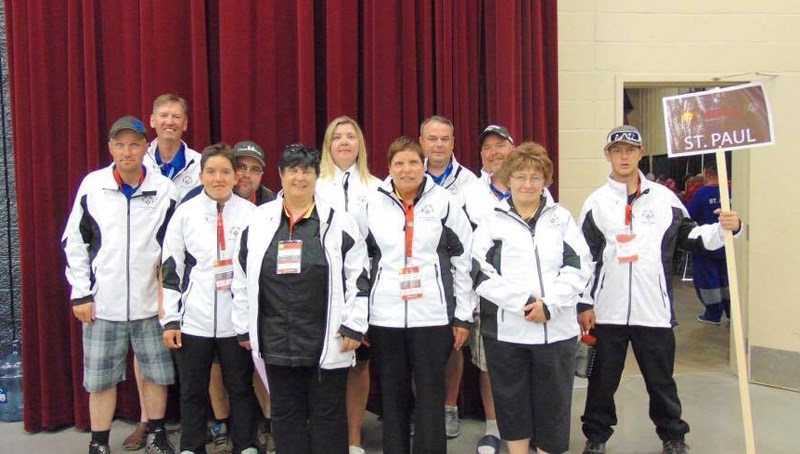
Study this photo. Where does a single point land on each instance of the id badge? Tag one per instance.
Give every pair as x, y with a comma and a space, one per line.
627, 247
410, 283
289, 257
223, 274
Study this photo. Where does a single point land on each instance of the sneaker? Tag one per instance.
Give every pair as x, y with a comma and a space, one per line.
356, 450
158, 443
594, 448
97, 448
264, 439
702, 318
221, 444
675, 447
452, 426
250, 450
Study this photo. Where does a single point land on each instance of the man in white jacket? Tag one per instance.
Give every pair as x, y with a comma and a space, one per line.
632, 227
112, 243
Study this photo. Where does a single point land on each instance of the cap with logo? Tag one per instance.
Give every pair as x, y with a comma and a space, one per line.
496, 130
250, 149
128, 123
624, 134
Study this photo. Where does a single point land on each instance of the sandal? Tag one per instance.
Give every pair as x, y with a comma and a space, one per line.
490, 445
136, 439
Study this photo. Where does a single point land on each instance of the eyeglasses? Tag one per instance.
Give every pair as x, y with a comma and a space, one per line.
624, 136
252, 169
521, 179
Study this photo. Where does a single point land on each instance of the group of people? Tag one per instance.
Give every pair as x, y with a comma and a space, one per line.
292, 294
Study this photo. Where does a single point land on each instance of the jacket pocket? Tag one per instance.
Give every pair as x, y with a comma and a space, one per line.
439, 284
375, 286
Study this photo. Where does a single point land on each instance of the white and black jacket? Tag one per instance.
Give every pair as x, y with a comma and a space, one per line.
184, 179
191, 246
516, 263
347, 283
458, 179
345, 190
113, 244
441, 247
638, 293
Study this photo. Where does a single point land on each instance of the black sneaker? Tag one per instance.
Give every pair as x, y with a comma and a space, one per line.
97, 448
158, 443
675, 447
594, 448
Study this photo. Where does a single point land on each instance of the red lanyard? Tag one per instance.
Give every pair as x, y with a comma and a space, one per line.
409, 212
629, 207
220, 228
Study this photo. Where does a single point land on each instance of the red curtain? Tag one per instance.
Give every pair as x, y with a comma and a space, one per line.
271, 71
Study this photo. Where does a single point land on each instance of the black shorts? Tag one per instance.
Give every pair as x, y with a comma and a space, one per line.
532, 389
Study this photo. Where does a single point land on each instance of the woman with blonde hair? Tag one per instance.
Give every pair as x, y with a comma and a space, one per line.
345, 183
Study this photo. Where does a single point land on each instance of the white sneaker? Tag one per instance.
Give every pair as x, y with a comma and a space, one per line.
357, 450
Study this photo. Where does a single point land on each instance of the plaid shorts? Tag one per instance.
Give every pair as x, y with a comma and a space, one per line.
476, 346
105, 348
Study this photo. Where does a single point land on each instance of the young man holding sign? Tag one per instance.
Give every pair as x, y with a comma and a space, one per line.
632, 227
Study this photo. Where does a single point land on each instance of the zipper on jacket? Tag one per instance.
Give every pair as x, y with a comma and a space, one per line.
128, 263
630, 270
325, 343
220, 209
541, 282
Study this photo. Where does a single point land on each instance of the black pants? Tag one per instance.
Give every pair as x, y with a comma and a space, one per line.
654, 349
194, 360
399, 354
308, 409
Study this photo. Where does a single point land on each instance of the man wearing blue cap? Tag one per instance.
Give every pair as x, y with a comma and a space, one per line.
112, 243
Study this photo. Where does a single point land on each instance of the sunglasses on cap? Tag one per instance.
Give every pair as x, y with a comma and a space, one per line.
624, 136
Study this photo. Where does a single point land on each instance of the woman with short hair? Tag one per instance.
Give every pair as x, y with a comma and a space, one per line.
300, 296
420, 307
533, 264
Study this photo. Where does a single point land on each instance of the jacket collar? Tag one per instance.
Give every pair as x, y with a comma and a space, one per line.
622, 188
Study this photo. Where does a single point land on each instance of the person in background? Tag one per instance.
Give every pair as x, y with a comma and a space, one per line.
437, 138
197, 272
300, 296
709, 268
633, 227
529, 324
169, 155
345, 182
480, 197
112, 242
420, 301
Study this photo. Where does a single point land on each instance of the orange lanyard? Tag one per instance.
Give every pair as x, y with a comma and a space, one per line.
220, 228
409, 228
629, 206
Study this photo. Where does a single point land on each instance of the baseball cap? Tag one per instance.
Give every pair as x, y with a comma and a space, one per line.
250, 149
128, 122
496, 130
626, 134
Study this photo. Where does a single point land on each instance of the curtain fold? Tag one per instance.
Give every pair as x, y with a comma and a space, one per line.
273, 72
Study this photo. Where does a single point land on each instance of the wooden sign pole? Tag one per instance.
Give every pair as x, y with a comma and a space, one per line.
736, 314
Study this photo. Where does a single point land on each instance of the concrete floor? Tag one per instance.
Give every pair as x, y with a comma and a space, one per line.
708, 390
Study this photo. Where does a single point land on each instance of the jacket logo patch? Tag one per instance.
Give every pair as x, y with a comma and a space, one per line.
186, 181
234, 232
648, 216
426, 209
553, 222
